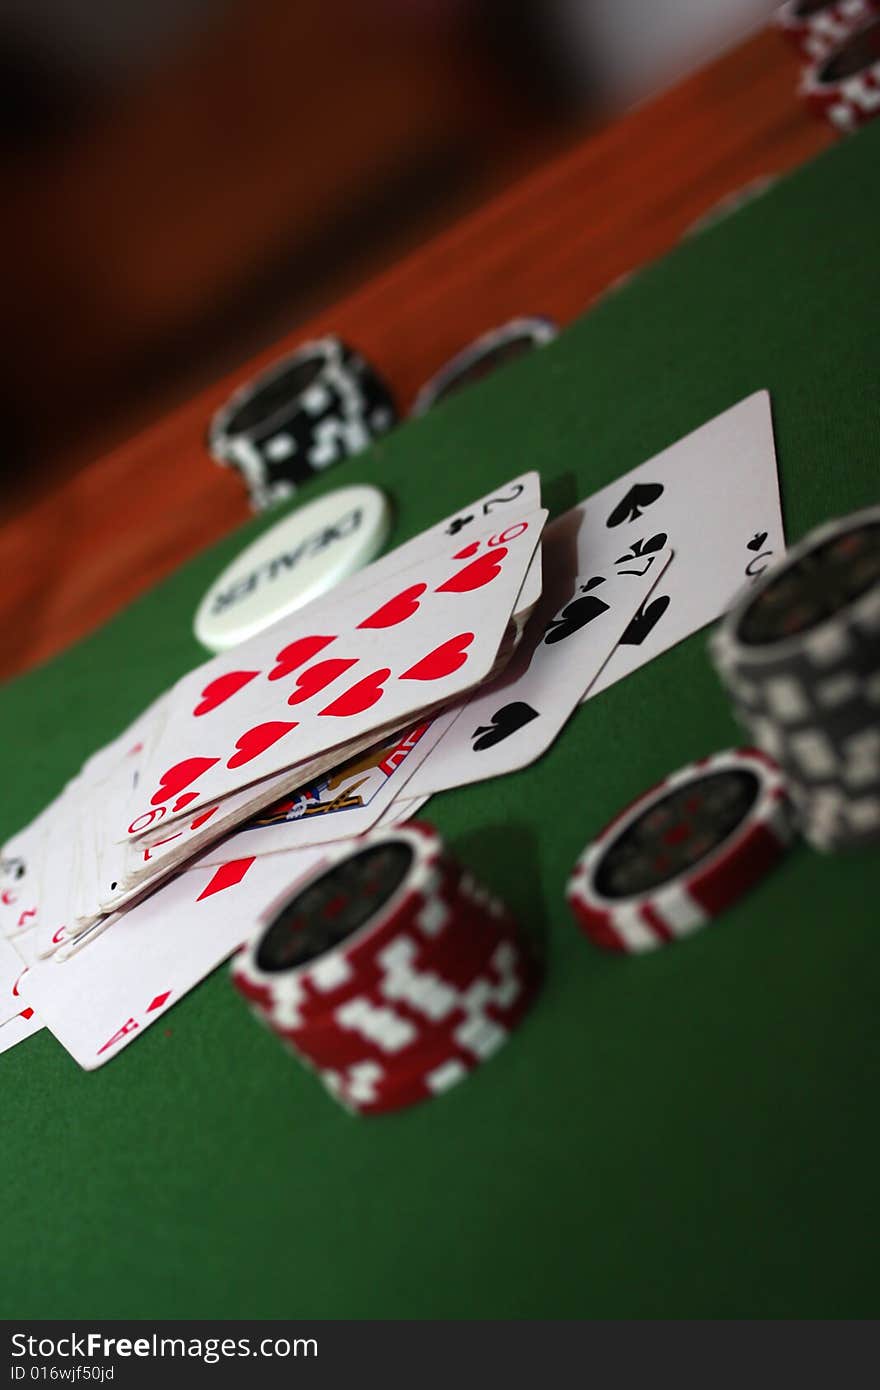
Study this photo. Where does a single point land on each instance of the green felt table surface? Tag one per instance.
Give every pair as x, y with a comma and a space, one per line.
694, 1133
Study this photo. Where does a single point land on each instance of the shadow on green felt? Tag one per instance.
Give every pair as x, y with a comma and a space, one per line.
518, 883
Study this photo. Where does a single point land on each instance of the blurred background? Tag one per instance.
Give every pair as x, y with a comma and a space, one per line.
186, 180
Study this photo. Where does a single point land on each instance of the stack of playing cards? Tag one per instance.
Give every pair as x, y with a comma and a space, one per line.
456, 657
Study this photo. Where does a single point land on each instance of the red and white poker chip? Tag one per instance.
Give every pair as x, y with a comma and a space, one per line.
688, 848
817, 27
413, 1001
492, 1008
477, 1023
424, 906
428, 984
843, 88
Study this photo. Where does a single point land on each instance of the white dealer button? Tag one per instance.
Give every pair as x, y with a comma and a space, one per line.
301, 557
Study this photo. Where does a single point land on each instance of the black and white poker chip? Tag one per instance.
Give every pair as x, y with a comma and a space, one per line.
308, 411
494, 349
799, 655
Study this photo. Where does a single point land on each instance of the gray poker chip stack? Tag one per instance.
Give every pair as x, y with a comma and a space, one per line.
304, 413
799, 655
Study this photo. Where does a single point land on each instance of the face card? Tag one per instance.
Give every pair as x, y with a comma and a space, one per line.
346, 802
101, 998
714, 499
129, 871
512, 721
333, 673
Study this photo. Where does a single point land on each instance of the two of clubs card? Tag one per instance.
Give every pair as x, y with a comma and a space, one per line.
457, 657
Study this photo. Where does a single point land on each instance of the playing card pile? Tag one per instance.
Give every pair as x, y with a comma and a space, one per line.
456, 657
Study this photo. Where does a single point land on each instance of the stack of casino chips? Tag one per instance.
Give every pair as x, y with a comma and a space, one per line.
683, 852
817, 27
799, 655
839, 41
308, 411
389, 971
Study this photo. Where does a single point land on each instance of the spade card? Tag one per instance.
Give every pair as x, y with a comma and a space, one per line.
714, 499
512, 721
336, 671
106, 994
